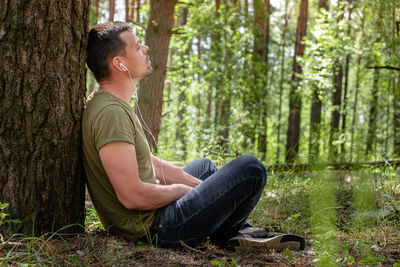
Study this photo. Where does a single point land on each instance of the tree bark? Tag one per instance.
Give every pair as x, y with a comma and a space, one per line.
112, 10
158, 34
316, 107
42, 91
293, 135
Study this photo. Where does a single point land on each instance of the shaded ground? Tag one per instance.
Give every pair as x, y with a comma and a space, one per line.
99, 249
359, 235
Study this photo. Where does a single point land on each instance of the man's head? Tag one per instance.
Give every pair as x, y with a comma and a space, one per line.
112, 44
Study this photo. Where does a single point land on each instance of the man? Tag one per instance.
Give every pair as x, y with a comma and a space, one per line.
141, 197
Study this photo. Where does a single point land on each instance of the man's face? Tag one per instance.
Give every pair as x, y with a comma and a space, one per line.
136, 58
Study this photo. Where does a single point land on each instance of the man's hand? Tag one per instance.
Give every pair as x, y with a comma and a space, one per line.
119, 162
168, 173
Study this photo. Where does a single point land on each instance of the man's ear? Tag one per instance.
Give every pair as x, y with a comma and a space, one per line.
116, 63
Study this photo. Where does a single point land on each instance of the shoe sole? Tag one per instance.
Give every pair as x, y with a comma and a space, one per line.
277, 243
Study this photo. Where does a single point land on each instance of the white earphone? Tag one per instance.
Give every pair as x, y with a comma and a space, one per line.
123, 66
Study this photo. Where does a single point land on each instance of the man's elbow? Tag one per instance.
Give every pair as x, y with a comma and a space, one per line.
134, 205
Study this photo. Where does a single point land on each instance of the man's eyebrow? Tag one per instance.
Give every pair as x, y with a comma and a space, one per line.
138, 41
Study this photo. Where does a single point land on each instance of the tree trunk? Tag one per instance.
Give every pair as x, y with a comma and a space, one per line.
262, 137
372, 114
353, 121
316, 107
127, 14
357, 87
97, 8
335, 116
158, 34
396, 117
112, 10
132, 11
42, 93
336, 101
396, 91
222, 93
283, 48
293, 135
138, 11
346, 85
181, 129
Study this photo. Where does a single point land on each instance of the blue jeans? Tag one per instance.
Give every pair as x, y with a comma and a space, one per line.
215, 209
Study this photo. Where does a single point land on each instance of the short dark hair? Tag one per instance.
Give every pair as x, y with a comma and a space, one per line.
104, 43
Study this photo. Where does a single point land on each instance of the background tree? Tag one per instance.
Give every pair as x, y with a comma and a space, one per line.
42, 94
158, 34
293, 134
316, 104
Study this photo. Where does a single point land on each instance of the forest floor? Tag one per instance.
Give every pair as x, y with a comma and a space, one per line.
357, 234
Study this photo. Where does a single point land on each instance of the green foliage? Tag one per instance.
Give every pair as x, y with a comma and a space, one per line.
92, 219
288, 254
224, 262
4, 215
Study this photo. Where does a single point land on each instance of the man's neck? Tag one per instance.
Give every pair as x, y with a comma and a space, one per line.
122, 89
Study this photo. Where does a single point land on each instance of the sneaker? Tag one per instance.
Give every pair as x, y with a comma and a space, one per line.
255, 239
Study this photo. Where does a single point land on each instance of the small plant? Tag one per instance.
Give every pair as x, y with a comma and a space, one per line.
92, 219
224, 262
3, 215
288, 254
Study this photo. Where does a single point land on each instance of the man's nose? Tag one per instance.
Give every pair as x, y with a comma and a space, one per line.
146, 49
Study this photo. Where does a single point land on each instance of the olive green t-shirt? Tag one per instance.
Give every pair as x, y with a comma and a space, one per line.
106, 119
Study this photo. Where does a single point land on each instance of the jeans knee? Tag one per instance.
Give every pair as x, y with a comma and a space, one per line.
253, 164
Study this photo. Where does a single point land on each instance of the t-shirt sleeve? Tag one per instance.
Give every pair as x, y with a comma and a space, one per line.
113, 124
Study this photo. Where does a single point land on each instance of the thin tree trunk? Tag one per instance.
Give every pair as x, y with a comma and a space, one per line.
283, 48
97, 8
335, 116
357, 87
316, 107
293, 135
112, 10
336, 102
42, 93
373, 108
261, 46
223, 94
353, 122
346, 85
127, 14
158, 34
181, 128
396, 116
132, 11
138, 11
396, 91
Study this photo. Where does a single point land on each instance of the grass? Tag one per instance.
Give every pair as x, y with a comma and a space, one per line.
348, 219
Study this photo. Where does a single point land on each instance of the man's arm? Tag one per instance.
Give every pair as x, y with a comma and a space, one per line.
172, 174
119, 162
